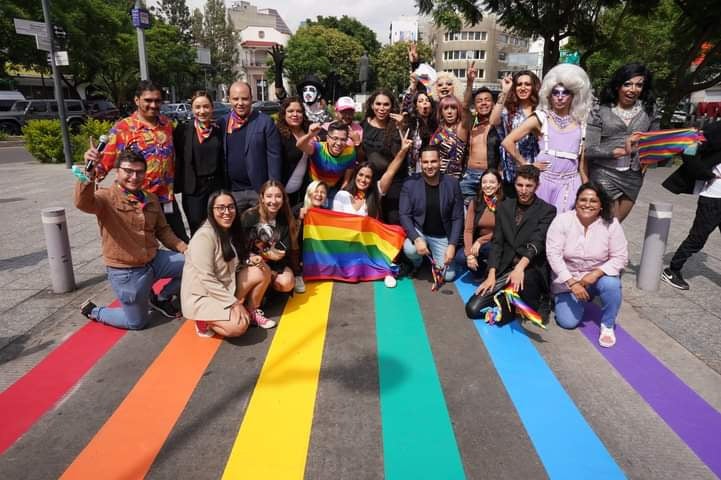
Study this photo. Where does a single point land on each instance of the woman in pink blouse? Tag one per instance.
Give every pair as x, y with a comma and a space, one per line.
586, 250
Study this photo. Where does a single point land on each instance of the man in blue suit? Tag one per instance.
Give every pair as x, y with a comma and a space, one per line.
431, 212
252, 147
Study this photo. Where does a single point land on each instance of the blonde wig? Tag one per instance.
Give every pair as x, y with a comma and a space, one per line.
573, 78
442, 77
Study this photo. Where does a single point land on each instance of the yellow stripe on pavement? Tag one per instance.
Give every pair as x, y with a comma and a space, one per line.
274, 436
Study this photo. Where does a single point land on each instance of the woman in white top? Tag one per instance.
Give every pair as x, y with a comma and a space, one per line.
362, 194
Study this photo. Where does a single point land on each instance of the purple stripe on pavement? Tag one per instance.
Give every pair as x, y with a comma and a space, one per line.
690, 416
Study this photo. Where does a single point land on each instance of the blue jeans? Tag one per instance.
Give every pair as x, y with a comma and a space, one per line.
569, 310
132, 287
470, 182
437, 246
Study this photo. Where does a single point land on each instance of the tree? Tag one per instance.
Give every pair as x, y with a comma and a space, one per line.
219, 37
552, 21
23, 52
176, 12
351, 27
196, 28
171, 58
679, 41
321, 51
393, 67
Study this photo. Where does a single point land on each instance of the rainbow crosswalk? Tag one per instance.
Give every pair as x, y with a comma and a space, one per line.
359, 381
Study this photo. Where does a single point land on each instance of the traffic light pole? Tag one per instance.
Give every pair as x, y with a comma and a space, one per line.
58, 89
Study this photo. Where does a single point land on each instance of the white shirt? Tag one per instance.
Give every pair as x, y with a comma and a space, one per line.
712, 189
343, 202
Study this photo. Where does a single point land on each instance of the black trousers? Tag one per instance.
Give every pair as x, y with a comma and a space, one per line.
534, 285
196, 210
175, 220
708, 218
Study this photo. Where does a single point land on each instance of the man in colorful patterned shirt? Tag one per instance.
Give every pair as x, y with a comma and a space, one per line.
149, 134
332, 161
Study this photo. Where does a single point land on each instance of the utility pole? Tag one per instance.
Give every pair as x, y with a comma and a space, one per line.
141, 20
58, 88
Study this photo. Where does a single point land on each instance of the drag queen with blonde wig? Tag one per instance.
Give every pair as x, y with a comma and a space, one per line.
559, 123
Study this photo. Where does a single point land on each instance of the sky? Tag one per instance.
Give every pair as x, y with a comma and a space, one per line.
376, 14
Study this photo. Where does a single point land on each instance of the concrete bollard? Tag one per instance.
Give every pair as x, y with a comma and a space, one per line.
658, 224
56, 239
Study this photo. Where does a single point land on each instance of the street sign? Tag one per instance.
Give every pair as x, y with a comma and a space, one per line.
28, 27
62, 59
140, 18
42, 43
203, 56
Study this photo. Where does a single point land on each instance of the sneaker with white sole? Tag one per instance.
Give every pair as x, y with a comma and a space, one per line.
607, 338
203, 329
390, 281
87, 309
674, 278
299, 284
257, 317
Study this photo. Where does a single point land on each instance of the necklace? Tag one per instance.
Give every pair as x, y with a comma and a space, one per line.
627, 114
562, 122
359, 195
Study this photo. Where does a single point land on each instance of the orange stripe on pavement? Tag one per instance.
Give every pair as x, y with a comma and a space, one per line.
126, 446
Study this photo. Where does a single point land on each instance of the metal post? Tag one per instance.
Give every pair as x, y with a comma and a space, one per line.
658, 224
58, 245
141, 46
58, 89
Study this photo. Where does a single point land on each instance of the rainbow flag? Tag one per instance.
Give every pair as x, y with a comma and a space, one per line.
348, 248
660, 145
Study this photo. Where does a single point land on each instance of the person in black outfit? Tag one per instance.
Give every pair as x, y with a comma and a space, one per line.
199, 161
292, 125
704, 166
518, 247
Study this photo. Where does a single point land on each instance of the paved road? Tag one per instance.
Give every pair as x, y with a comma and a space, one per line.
357, 381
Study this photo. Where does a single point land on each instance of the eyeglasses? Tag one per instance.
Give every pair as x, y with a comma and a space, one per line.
561, 92
336, 139
131, 171
225, 208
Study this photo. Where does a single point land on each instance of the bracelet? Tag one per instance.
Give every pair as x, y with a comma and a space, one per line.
501, 98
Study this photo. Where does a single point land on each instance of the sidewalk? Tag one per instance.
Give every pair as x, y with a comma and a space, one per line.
33, 319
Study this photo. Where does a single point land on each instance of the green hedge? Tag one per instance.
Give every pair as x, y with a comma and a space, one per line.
44, 140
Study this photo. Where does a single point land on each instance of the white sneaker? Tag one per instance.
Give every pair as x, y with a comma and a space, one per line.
390, 281
607, 338
299, 284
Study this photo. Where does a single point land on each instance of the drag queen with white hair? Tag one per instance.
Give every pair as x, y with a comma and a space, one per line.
559, 123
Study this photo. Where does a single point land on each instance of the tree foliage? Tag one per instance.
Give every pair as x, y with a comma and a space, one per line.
393, 67
218, 36
552, 21
351, 27
176, 12
322, 51
668, 40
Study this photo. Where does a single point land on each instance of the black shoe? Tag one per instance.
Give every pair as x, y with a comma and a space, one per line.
87, 308
674, 279
165, 307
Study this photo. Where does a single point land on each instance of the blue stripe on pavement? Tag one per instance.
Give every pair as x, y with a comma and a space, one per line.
564, 441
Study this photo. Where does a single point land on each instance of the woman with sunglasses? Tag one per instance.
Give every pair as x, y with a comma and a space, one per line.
559, 123
223, 284
626, 108
516, 102
199, 160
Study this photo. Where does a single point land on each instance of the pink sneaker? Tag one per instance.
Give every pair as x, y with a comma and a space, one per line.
257, 317
203, 329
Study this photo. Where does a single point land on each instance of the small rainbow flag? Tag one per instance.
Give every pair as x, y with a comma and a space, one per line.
348, 248
660, 145
493, 314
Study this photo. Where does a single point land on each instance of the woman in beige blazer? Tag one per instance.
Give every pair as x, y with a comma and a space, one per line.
222, 285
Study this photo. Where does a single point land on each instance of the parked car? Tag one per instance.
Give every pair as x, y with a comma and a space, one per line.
8, 99
23, 111
267, 107
179, 112
220, 110
102, 110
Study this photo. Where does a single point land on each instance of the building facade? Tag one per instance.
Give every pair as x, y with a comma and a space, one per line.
487, 44
404, 29
259, 30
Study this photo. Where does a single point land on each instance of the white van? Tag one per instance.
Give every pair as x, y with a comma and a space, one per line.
8, 98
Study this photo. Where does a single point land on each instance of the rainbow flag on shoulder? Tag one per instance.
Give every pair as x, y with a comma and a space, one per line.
348, 248
660, 145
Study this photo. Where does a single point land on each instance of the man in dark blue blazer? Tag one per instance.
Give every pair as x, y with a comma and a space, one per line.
252, 147
431, 212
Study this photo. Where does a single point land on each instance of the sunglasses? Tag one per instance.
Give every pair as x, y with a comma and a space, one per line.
561, 92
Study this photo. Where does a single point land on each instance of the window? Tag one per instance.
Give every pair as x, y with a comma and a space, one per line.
74, 107
261, 34
484, 35
38, 107
502, 56
502, 38
458, 72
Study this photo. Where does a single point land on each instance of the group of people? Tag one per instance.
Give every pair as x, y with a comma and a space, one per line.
528, 189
